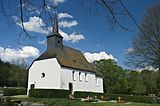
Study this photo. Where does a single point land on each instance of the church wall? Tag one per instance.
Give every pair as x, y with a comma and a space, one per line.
100, 84
80, 85
45, 74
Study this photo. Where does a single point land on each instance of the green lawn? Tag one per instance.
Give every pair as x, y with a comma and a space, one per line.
66, 102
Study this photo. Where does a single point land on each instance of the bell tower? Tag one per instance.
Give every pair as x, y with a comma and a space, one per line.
54, 39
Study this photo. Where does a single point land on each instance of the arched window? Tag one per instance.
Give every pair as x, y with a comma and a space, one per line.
86, 77
73, 75
97, 81
43, 75
80, 76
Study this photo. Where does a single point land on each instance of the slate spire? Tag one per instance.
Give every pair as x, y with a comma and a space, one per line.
55, 31
55, 26
54, 40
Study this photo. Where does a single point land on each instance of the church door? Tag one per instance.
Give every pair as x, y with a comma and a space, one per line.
32, 86
71, 88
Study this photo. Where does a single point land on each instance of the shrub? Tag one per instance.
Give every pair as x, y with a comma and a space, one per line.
14, 91
82, 94
49, 93
134, 98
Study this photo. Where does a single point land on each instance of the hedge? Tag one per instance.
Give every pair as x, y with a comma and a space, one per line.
49, 93
82, 94
132, 98
14, 91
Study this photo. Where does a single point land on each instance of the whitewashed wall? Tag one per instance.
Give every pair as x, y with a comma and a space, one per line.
57, 77
89, 86
52, 71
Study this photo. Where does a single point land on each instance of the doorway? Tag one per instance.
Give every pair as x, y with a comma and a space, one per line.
32, 86
71, 88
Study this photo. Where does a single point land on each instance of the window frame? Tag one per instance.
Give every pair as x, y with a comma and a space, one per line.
97, 81
73, 76
43, 75
86, 77
80, 76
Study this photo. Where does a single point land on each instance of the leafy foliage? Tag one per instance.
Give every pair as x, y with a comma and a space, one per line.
82, 94
132, 98
120, 81
49, 93
113, 75
14, 91
12, 75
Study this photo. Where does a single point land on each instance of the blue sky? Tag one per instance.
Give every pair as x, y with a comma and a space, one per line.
89, 31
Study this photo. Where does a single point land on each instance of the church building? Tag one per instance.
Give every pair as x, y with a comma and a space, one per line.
62, 67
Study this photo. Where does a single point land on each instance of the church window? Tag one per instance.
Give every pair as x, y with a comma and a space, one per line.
80, 76
86, 77
73, 75
42, 75
97, 81
58, 41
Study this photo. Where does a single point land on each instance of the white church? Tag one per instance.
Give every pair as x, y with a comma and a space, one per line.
62, 67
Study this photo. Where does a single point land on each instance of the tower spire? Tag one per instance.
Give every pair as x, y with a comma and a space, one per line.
55, 27
54, 40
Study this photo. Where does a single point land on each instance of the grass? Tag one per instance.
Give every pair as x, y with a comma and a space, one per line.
66, 102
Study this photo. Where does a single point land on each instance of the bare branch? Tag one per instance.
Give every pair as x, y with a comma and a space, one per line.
146, 46
112, 13
22, 21
2, 7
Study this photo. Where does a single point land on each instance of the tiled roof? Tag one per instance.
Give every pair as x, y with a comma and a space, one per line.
69, 57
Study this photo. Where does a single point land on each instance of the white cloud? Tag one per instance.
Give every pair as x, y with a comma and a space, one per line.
16, 19
64, 15
58, 1
12, 55
43, 42
149, 68
129, 50
98, 56
34, 24
71, 37
66, 24
32, 9
75, 37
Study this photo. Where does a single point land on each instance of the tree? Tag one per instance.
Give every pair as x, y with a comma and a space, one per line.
17, 76
4, 70
158, 85
113, 75
21, 62
12, 75
146, 46
139, 88
150, 79
120, 81
136, 85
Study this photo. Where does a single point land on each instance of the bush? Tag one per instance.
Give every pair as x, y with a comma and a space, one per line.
49, 93
14, 91
82, 94
134, 98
